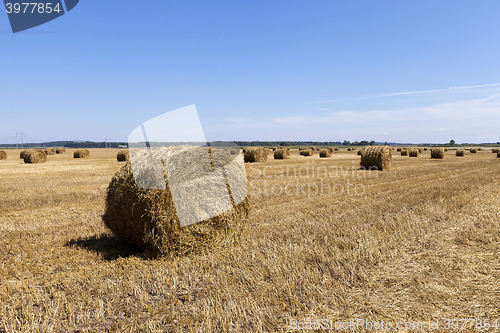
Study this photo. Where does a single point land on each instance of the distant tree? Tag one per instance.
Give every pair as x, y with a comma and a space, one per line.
452, 142
346, 143
372, 143
364, 143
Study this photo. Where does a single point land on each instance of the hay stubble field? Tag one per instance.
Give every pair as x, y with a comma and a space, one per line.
421, 242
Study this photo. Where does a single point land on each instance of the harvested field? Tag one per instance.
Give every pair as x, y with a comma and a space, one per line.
420, 242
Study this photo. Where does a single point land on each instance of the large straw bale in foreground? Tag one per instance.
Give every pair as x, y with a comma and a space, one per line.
379, 157
498, 154
281, 154
460, 152
437, 153
3, 155
81, 153
148, 217
325, 153
21, 153
414, 152
256, 154
34, 156
123, 156
50, 151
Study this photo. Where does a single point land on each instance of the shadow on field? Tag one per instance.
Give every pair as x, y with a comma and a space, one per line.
109, 247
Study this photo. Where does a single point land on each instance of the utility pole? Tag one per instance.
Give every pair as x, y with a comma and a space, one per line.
17, 142
22, 140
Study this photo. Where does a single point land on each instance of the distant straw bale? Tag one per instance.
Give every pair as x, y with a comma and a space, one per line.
425, 149
473, 150
437, 153
81, 153
404, 152
255, 154
3, 155
495, 150
460, 152
399, 149
379, 158
325, 153
414, 152
123, 156
282, 154
21, 153
420, 150
60, 151
50, 151
35, 156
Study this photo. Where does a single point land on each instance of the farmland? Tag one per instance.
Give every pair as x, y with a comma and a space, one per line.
324, 240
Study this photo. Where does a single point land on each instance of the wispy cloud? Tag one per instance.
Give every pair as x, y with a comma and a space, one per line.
417, 92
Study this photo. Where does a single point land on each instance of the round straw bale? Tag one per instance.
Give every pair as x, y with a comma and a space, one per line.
459, 152
81, 153
21, 153
479, 149
282, 154
379, 158
473, 150
498, 154
3, 155
414, 152
307, 152
35, 156
256, 154
336, 149
425, 149
399, 149
437, 153
60, 151
420, 150
495, 150
325, 153
446, 149
359, 152
404, 152
123, 156
50, 151
148, 217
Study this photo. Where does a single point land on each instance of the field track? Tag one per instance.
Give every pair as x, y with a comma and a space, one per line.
421, 242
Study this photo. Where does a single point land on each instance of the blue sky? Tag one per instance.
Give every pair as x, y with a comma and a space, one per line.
403, 71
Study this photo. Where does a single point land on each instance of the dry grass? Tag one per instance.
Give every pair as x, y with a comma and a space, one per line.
421, 243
